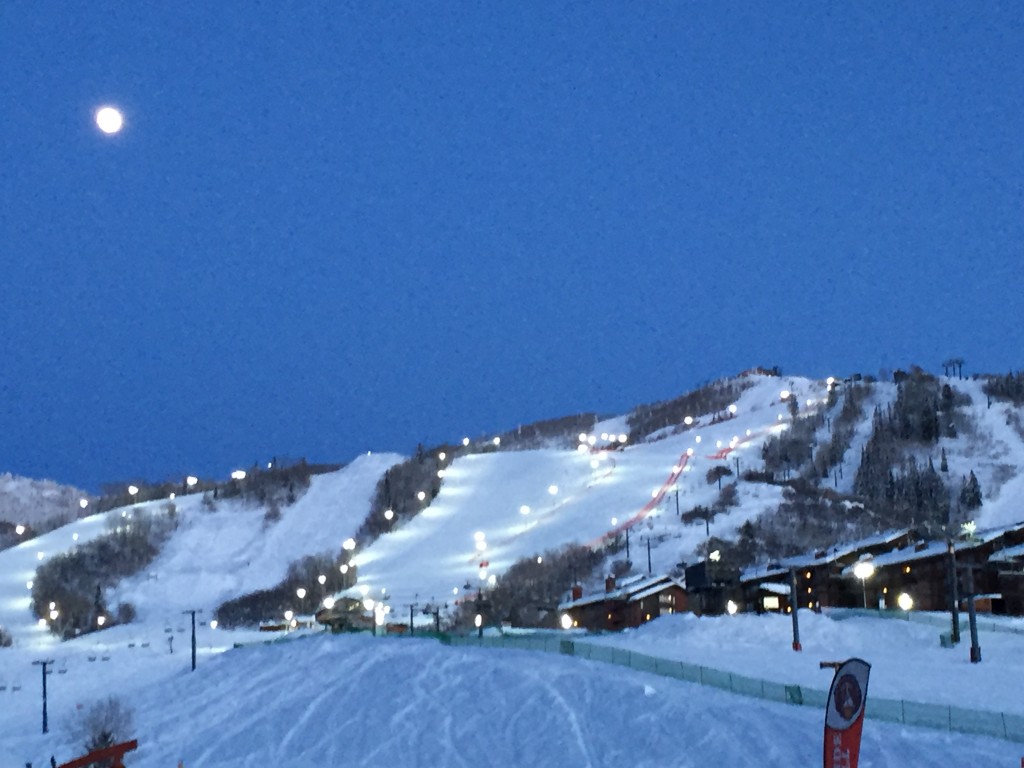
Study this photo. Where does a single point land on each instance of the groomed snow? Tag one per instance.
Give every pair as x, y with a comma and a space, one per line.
362, 701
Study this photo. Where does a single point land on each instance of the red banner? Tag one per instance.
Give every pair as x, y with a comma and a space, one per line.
844, 714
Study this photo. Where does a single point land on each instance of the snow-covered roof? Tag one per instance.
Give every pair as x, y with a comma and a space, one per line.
937, 548
784, 565
636, 588
1007, 554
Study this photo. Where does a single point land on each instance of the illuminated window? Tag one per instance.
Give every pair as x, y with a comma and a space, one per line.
648, 617
809, 590
885, 590
771, 602
807, 575
907, 569
810, 605
609, 617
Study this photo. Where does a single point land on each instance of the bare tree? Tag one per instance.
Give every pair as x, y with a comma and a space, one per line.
106, 723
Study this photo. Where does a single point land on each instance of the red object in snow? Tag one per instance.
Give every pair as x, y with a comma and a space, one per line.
114, 753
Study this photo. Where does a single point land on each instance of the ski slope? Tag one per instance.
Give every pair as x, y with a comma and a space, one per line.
496, 508
363, 701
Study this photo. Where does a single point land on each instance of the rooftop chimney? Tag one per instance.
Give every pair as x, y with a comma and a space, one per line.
577, 591
609, 584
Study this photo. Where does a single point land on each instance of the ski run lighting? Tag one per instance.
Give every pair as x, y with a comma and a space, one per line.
238, 474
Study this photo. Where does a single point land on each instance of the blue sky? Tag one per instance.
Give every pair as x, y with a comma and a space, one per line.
362, 226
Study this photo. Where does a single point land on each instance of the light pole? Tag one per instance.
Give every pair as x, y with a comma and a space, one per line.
44, 665
954, 597
793, 606
972, 617
193, 613
864, 570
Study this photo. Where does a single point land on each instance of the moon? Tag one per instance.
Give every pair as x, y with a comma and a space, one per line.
109, 120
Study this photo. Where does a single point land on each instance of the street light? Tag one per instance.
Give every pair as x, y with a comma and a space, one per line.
44, 665
133, 490
905, 601
192, 612
864, 570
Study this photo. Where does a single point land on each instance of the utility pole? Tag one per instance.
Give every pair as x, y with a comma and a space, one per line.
412, 627
954, 597
627, 544
649, 570
44, 665
193, 613
793, 607
972, 616
677, 501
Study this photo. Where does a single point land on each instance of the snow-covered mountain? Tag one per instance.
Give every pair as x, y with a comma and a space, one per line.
495, 505
36, 503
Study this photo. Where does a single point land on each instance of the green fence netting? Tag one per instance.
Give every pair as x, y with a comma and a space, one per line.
937, 716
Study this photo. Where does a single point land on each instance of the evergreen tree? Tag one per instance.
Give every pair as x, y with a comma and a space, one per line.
970, 493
